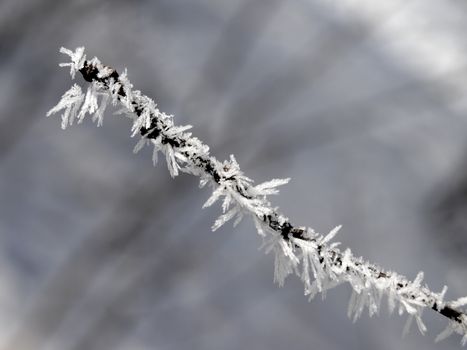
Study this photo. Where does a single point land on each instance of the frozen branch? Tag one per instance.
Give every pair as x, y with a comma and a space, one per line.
315, 258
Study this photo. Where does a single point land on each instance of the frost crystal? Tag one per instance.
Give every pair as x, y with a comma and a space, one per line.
77, 60
71, 103
314, 258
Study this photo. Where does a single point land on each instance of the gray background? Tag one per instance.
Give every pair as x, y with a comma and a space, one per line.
362, 103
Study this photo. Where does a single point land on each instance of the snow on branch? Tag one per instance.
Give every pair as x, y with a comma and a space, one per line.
314, 258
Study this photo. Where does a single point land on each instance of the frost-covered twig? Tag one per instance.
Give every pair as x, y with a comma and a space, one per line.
315, 258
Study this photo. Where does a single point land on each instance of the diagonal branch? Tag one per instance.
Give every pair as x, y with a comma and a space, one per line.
317, 260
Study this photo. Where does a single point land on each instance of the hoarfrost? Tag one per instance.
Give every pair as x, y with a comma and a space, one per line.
71, 102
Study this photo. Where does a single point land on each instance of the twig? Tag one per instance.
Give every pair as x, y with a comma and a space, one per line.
300, 250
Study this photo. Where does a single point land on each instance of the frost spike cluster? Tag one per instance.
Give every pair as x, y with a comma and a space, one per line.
313, 257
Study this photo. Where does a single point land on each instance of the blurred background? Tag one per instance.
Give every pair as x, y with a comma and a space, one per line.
362, 103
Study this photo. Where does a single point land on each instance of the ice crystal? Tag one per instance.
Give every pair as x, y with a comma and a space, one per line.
77, 60
71, 102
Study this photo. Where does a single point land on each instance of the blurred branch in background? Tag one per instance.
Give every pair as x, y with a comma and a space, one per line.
447, 210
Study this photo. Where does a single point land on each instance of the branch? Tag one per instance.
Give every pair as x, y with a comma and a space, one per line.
317, 260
